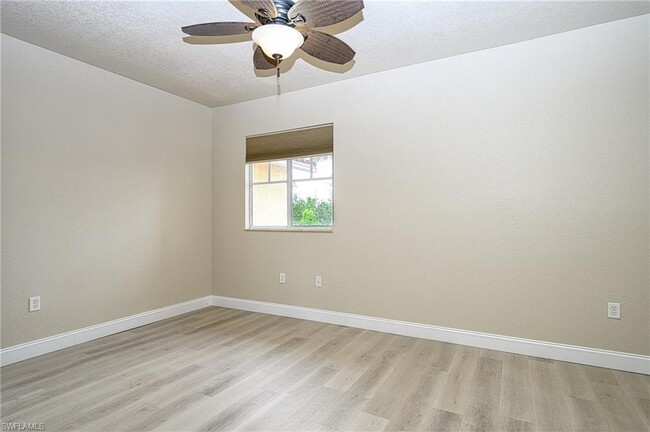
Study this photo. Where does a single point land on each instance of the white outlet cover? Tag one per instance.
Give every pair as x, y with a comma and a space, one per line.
35, 304
614, 310
319, 281
283, 278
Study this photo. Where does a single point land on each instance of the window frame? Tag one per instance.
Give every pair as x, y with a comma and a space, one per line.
289, 182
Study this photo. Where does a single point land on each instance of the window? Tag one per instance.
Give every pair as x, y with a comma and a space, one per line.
295, 192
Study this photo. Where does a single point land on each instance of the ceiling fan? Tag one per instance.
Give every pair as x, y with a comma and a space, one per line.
284, 25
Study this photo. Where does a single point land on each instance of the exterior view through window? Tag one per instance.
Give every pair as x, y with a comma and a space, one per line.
290, 193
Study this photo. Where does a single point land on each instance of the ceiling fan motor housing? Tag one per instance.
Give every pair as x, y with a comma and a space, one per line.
283, 6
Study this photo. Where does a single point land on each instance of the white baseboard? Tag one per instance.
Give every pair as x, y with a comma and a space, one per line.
569, 353
46, 345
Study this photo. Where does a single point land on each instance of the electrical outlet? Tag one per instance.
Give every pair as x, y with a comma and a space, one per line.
614, 310
319, 281
35, 304
283, 278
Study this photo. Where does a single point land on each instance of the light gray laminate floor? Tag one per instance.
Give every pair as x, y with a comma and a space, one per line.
222, 369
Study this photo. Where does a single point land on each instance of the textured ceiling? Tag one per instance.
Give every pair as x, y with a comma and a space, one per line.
142, 40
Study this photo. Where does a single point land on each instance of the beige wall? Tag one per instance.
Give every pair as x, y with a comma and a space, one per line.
105, 195
503, 191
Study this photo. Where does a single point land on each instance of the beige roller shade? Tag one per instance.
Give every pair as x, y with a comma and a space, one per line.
290, 144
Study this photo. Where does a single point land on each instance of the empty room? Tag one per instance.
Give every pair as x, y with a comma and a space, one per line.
311, 215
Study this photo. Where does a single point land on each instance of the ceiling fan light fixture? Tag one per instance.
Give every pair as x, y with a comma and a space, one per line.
278, 39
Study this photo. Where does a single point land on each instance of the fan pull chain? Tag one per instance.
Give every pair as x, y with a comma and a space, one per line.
277, 74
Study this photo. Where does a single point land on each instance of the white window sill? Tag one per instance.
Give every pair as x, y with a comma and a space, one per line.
279, 229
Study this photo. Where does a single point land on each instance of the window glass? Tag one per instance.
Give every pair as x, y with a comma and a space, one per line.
312, 203
270, 205
260, 172
279, 170
301, 168
322, 166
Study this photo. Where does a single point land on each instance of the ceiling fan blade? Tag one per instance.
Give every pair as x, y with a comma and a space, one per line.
261, 61
219, 29
262, 7
319, 13
326, 47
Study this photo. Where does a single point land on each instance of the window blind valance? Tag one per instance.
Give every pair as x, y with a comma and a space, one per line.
289, 144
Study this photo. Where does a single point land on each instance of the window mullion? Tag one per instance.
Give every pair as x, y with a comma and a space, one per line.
289, 194
250, 197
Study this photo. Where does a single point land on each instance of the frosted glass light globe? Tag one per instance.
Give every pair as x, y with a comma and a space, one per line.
278, 39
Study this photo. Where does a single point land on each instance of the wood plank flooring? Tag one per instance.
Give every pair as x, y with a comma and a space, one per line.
219, 369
